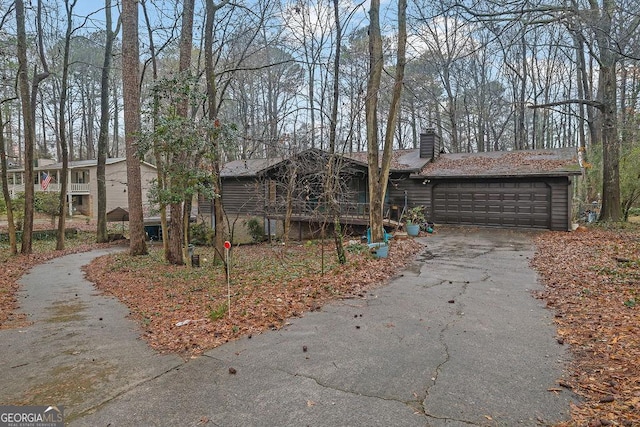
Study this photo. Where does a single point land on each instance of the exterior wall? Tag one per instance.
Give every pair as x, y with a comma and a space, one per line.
560, 203
116, 177
241, 233
242, 195
242, 199
420, 191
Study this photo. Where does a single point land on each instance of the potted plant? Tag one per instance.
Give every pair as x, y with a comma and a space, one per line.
415, 217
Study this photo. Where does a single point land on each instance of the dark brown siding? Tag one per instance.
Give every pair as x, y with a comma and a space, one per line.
242, 195
418, 192
560, 203
429, 144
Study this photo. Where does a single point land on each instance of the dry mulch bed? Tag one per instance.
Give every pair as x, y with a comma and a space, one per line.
185, 310
592, 281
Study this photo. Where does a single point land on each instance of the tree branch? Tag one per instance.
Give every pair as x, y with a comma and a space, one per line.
589, 102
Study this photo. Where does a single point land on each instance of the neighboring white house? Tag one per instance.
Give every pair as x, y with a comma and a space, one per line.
82, 179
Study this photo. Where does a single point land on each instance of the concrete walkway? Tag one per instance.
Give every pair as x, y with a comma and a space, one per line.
457, 340
81, 350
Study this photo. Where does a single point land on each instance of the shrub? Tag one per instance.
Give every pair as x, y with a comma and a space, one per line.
254, 226
201, 234
47, 203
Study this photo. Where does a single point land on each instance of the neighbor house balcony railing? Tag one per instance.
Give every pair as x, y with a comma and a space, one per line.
72, 188
75, 188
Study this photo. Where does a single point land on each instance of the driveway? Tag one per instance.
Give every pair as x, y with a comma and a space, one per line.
455, 340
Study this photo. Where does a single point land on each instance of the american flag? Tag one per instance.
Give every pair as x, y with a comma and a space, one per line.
46, 179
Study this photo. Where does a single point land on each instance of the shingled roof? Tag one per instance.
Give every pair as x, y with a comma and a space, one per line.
401, 160
550, 162
247, 168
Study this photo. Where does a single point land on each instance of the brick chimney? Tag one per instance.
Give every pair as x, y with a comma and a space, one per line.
429, 144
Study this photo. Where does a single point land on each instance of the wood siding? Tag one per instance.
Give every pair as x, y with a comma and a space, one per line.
243, 195
528, 202
116, 186
560, 203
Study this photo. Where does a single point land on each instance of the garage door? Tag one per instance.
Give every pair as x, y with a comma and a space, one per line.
498, 203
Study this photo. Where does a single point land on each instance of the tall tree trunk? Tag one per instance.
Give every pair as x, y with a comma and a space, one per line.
611, 209
379, 172
607, 82
177, 237
521, 131
371, 118
332, 177
62, 137
11, 227
218, 209
160, 171
103, 137
131, 100
27, 98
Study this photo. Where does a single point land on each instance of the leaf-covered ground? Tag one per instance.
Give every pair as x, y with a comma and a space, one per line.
592, 282
185, 310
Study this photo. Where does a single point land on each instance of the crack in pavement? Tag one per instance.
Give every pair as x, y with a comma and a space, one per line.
443, 343
131, 387
416, 404
441, 340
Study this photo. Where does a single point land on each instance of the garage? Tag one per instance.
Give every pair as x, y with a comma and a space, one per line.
493, 202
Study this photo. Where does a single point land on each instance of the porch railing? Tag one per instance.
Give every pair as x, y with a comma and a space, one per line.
314, 209
73, 188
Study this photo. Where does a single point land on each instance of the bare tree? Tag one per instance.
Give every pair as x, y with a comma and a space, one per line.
213, 110
13, 249
160, 172
28, 98
11, 227
131, 89
379, 167
607, 29
103, 137
332, 177
62, 129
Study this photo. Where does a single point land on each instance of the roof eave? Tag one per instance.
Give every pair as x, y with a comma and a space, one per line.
551, 174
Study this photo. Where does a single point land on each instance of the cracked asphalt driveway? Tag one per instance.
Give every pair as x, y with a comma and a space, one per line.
456, 340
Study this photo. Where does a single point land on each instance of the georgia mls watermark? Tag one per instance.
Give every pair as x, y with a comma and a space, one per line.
31, 416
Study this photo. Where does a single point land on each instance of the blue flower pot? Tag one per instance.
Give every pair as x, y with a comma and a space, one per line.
379, 250
413, 229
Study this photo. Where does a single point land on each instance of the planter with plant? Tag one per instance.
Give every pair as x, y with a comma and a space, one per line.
414, 217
